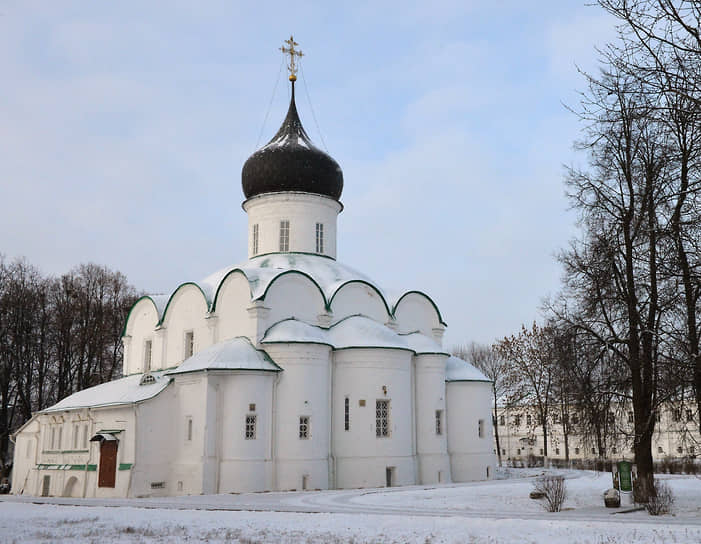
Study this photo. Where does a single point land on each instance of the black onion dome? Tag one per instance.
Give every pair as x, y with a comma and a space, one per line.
290, 162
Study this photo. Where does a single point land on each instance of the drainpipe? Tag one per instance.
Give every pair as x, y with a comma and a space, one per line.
136, 445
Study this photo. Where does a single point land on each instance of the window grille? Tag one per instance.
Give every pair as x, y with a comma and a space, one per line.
189, 344
439, 422
382, 418
319, 237
346, 414
284, 235
254, 240
250, 427
147, 355
303, 427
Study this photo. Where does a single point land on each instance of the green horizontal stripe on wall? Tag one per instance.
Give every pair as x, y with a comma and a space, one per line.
125, 466
92, 468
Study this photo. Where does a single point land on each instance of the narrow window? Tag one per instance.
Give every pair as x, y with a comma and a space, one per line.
518, 451
439, 422
576, 451
677, 415
517, 421
501, 420
689, 415
319, 237
480, 428
303, 427
250, 427
593, 451
659, 449
254, 240
189, 344
284, 235
382, 418
557, 451
541, 451
147, 355
188, 425
680, 449
528, 420
575, 419
630, 417
614, 450
346, 414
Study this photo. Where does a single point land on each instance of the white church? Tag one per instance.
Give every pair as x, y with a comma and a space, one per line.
289, 371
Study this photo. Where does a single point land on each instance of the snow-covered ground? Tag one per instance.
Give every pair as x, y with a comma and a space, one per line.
492, 512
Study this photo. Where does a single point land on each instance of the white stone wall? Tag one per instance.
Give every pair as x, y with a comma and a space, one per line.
186, 312
358, 298
431, 448
141, 323
361, 458
303, 211
471, 456
415, 312
303, 390
244, 464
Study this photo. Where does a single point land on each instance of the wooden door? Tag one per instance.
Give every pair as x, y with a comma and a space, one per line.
108, 463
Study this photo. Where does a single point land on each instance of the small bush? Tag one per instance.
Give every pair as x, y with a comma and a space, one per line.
661, 501
553, 489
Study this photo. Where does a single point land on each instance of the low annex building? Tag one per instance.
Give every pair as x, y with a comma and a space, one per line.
287, 371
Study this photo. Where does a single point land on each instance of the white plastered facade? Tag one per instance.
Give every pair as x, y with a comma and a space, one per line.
289, 371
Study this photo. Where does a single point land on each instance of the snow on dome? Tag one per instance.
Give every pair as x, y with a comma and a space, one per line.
235, 354
457, 370
126, 390
420, 343
261, 272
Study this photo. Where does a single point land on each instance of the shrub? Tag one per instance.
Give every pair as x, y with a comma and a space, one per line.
553, 489
661, 501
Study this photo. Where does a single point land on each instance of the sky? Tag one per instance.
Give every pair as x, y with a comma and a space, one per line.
124, 127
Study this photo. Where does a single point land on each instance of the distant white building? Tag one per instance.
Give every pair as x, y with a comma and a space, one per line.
288, 371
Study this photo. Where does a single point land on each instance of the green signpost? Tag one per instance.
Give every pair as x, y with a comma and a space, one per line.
625, 475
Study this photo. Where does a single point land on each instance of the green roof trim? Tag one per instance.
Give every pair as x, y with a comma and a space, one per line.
286, 272
181, 286
293, 253
415, 292
145, 297
221, 283
373, 287
125, 466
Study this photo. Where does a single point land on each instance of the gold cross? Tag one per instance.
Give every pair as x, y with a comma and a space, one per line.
292, 67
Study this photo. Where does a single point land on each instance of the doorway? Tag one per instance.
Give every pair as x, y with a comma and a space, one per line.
108, 463
389, 476
46, 486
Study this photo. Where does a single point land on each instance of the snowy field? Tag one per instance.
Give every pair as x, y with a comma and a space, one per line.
491, 512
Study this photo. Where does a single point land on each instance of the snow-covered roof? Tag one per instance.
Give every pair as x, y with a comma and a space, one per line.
457, 370
126, 390
327, 273
356, 331
235, 354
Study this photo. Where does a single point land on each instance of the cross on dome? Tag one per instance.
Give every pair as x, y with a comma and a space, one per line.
292, 52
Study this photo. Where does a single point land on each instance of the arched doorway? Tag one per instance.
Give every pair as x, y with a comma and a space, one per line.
71, 488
